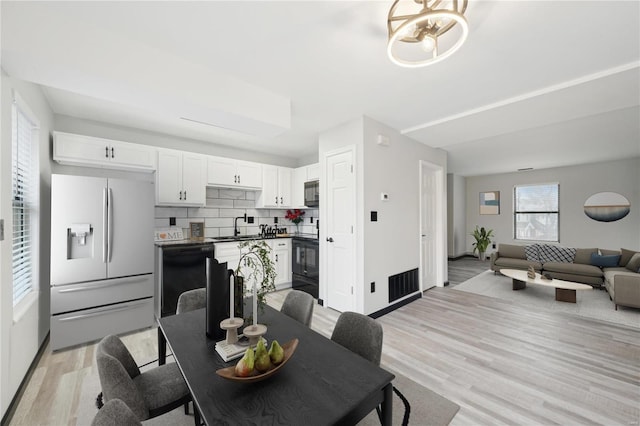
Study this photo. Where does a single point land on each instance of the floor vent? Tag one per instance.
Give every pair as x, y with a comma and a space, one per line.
402, 284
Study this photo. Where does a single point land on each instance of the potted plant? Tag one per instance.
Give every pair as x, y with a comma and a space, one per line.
295, 216
255, 267
483, 240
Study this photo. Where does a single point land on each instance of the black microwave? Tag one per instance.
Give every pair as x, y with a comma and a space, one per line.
312, 193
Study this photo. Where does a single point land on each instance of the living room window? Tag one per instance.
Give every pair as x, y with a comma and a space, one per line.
24, 196
536, 212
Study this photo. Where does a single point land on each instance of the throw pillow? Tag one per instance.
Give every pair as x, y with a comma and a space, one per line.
551, 253
532, 251
634, 263
605, 261
626, 256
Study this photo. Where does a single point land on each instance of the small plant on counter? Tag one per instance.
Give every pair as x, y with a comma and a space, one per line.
255, 266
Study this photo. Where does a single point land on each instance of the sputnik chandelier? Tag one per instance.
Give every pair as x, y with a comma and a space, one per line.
423, 32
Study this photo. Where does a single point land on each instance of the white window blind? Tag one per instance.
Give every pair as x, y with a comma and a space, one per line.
536, 212
23, 198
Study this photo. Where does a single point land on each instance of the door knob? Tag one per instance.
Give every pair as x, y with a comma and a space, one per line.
330, 239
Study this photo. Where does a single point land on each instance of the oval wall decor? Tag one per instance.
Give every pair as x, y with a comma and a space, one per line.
607, 206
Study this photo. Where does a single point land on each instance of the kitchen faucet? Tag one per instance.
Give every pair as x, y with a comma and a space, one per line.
236, 231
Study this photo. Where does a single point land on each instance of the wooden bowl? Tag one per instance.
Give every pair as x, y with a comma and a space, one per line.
229, 373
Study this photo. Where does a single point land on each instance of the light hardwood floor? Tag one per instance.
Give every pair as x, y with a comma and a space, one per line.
502, 363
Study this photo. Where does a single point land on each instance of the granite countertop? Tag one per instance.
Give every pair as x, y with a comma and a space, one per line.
313, 237
185, 242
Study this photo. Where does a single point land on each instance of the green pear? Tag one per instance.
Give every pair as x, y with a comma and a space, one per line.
276, 353
263, 362
244, 367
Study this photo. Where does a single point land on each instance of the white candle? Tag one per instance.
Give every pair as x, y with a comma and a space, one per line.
232, 279
255, 304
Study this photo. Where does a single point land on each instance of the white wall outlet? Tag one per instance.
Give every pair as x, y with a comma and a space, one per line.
384, 196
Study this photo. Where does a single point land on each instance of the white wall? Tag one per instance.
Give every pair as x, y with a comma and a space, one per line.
20, 338
456, 215
577, 183
347, 134
392, 244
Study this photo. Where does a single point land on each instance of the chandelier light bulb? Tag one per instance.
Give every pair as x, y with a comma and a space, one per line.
428, 44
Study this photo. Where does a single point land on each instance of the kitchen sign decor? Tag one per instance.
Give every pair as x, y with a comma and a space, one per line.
196, 231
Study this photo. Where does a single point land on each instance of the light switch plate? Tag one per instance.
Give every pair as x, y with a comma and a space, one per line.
1, 229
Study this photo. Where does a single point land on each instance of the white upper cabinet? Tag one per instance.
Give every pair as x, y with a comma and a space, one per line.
180, 179
300, 176
313, 172
276, 187
229, 173
81, 150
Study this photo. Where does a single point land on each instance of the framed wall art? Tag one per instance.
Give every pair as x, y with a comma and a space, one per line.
490, 202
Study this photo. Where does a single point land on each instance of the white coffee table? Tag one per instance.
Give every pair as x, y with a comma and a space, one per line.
565, 290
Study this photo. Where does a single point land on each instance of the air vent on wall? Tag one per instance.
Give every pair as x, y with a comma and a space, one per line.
403, 284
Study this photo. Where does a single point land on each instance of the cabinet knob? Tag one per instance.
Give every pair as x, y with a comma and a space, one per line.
185, 195
281, 202
112, 156
106, 152
238, 178
181, 195
276, 200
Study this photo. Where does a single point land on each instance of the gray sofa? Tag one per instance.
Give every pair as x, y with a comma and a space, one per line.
622, 281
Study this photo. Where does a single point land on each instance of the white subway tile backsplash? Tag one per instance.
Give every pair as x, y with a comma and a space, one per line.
170, 212
203, 212
219, 222
232, 213
213, 193
220, 203
234, 194
244, 203
223, 205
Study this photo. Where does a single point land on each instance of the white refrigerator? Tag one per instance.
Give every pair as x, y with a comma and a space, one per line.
101, 258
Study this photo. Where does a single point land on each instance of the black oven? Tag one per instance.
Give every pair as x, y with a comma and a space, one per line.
305, 266
312, 194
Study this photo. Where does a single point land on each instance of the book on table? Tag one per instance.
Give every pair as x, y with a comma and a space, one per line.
233, 351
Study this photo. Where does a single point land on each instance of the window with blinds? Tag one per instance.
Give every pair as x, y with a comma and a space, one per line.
536, 212
24, 200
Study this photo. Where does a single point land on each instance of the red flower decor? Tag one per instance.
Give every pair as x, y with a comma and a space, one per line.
294, 216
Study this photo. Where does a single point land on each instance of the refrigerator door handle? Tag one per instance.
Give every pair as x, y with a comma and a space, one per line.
110, 310
104, 225
110, 232
110, 283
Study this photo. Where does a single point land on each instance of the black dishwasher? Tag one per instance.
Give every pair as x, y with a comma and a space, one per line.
305, 265
184, 267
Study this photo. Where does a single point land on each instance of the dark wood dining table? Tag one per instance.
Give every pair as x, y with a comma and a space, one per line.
322, 383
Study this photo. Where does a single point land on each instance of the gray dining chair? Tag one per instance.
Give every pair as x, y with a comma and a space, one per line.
191, 300
363, 335
299, 306
360, 334
147, 394
115, 413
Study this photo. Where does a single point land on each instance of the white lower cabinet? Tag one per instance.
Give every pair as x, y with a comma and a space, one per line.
280, 255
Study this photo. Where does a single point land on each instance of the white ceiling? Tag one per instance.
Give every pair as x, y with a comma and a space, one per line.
537, 84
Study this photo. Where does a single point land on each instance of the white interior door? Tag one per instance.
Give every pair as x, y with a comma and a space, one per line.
428, 227
340, 242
